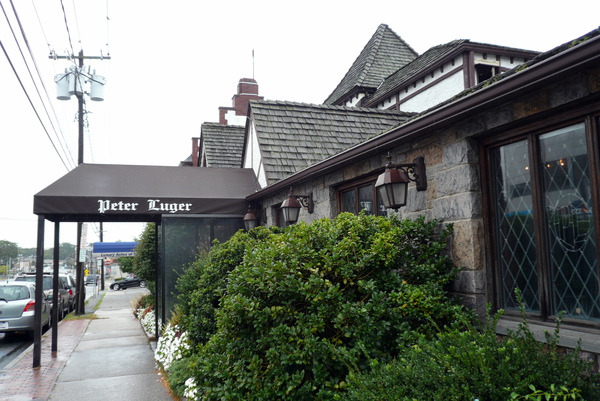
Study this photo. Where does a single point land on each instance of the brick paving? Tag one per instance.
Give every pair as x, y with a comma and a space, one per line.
21, 382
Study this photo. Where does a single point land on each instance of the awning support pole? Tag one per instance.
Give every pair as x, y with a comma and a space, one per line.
57, 305
39, 295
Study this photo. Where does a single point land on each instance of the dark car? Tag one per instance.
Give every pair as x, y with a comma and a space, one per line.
63, 293
91, 279
71, 286
17, 308
129, 281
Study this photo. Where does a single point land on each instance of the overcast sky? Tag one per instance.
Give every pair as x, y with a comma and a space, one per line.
174, 63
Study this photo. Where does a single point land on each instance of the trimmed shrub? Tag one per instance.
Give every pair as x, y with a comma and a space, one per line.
305, 307
461, 365
204, 282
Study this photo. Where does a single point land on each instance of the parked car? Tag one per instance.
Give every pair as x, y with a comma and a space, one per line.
71, 286
17, 307
129, 281
91, 279
63, 293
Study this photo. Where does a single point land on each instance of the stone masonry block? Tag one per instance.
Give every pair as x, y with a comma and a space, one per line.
460, 152
463, 178
468, 248
469, 282
457, 207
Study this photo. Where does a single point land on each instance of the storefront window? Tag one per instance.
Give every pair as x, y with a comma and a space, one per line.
545, 240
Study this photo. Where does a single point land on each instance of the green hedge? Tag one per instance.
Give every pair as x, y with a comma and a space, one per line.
464, 365
287, 316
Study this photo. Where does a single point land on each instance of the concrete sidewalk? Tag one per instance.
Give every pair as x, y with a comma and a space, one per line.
100, 359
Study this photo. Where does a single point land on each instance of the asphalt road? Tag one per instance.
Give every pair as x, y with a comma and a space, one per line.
11, 346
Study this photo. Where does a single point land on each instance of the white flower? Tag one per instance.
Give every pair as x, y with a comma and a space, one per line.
171, 346
148, 322
191, 389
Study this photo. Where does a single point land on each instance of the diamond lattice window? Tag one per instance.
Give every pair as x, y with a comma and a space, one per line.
545, 241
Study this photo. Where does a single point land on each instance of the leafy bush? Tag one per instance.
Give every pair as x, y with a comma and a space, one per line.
204, 282
143, 301
553, 394
305, 306
461, 365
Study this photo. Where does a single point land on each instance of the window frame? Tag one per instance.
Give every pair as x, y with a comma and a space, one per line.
355, 185
590, 117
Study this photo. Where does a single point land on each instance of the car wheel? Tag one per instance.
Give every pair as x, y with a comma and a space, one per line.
143, 284
116, 287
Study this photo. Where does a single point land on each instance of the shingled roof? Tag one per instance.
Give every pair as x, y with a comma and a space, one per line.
222, 144
383, 55
293, 136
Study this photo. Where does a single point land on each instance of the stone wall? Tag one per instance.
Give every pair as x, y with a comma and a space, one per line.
454, 193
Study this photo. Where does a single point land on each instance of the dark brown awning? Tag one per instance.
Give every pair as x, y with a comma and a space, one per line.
128, 193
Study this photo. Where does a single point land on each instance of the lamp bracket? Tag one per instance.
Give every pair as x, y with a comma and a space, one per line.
415, 171
305, 200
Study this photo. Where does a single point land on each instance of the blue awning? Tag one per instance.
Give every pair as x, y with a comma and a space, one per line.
113, 249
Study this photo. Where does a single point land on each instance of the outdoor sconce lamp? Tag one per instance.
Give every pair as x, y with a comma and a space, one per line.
250, 220
291, 206
392, 185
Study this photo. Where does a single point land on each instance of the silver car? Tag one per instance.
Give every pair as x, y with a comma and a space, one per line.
17, 307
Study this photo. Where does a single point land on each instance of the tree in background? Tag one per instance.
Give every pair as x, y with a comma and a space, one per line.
8, 250
126, 263
144, 261
66, 253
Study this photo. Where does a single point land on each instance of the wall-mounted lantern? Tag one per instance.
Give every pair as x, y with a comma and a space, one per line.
392, 185
250, 219
291, 206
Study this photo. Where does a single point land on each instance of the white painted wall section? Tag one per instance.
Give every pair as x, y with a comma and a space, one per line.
253, 157
438, 93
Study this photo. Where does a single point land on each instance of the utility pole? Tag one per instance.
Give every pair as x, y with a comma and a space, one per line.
102, 268
77, 89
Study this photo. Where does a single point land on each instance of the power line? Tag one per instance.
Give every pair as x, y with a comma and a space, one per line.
67, 26
40, 23
31, 103
77, 24
67, 152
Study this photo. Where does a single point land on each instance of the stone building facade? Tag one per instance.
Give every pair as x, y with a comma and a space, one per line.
556, 95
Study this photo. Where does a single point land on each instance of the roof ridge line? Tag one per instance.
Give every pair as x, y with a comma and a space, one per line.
327, 106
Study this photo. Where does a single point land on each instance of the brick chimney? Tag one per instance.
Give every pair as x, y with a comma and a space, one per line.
247, 90
195, 152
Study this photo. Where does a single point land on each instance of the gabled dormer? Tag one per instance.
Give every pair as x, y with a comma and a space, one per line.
442, 72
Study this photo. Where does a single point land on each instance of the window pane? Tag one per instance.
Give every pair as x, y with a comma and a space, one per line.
349, 201
381, 209
569, 221
365, 199
280, 219
514, 226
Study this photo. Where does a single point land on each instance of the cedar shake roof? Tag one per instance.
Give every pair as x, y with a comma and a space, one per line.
569, 58
383, 55
293, 136
223, 144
